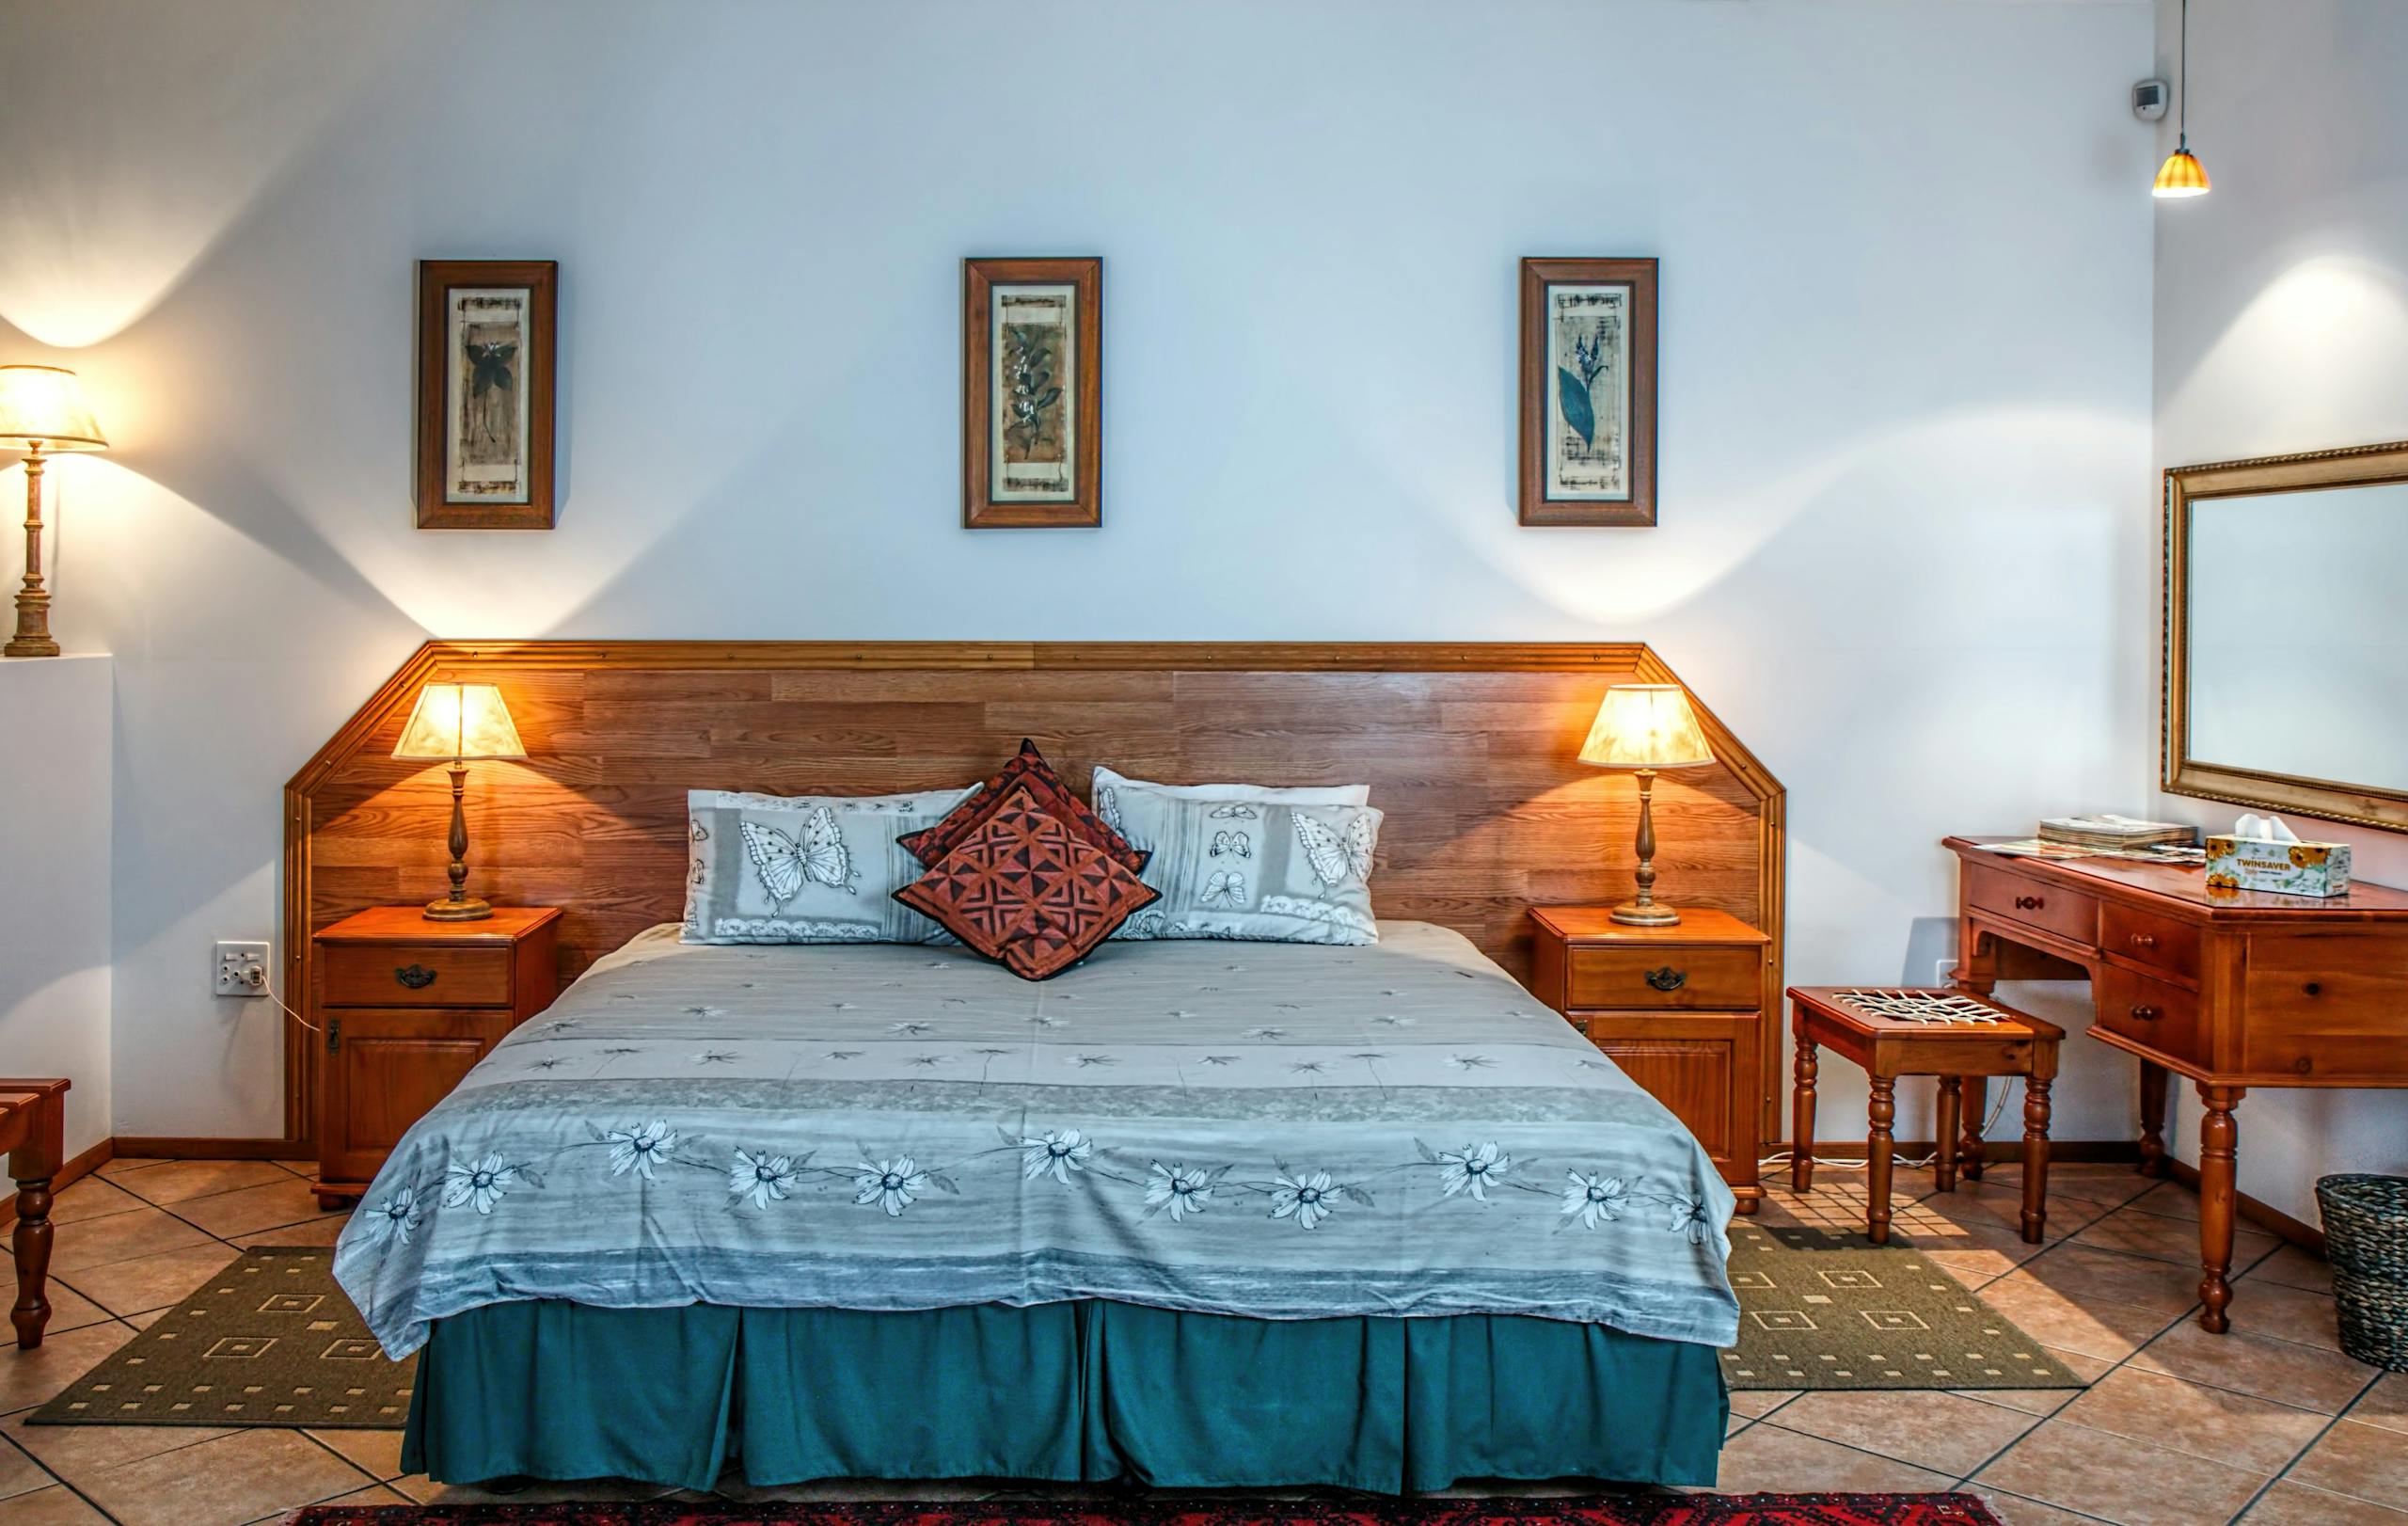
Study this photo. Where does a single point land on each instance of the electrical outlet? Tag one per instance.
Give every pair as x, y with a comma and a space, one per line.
242, 969
1943, 970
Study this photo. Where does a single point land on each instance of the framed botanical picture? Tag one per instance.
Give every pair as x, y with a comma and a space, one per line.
1588, 392
1032, 416
485, 333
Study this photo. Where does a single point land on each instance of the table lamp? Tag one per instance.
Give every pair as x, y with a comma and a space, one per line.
1646, 727
41, 411
459, 723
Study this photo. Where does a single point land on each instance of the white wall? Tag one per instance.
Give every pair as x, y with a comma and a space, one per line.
55, 723
1905, 378
2282, 325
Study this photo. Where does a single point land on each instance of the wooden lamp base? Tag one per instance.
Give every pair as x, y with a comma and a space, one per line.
1642, 909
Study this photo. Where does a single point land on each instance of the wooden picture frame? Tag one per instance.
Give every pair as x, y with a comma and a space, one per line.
1032, 398
1588, 392
486, 340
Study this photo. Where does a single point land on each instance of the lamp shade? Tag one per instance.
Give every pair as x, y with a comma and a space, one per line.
1645, 727
2180, 175
459, 722
44, 407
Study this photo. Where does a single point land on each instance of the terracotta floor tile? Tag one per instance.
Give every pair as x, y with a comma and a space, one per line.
426, 1491
2283, 1371
1757, 1402
141, 1231
232, 1479
377, 1495
1937, 1431
2136, 1232
377, 1454
2357, 1459
1766, 1457
2016, 1510
180, 1181
2222, 1426
147, 1318
146, 1283
56, 1505
20, 1474
70, 1310
2082, 1273
2044, 1401
2296, 1504
130, 1163
2094, 1326
316, 1232
2293, 1268
2116, 1478
74, 1452
94, 1197
29, 1377
2384, 1404
288, 1199
2171, 1198
2287, 1315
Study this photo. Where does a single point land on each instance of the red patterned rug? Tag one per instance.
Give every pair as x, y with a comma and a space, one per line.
1633, 1510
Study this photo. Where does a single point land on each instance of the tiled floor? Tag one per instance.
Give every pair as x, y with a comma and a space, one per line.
2270, 1425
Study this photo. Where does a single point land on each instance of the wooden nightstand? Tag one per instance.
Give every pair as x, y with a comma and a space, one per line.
1679, 1008
407, 1007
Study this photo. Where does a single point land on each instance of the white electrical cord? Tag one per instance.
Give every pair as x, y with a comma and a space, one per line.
1785, 1157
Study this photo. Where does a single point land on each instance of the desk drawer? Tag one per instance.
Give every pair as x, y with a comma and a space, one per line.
2159, 941
2069, 913
1694, 977
2165, 1017
405, 975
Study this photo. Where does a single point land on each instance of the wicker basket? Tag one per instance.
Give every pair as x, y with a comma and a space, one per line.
2366, 1238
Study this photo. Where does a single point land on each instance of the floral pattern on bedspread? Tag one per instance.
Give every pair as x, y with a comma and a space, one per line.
1275, 1131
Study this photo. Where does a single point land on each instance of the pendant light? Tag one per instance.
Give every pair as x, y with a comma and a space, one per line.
2182, 174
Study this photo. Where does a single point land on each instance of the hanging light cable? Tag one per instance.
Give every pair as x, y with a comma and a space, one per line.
2182, 174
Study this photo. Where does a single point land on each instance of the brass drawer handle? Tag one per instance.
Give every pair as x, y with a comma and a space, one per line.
2027, 903
416, 976
1668, 979
2144, 940
2142, 1013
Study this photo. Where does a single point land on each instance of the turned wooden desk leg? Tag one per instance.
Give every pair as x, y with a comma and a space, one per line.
2036, 1158
31, 1244
2219, 1143
1944, 1165
1975, 1106
2153, 1079
1882, 1112
1801, 1113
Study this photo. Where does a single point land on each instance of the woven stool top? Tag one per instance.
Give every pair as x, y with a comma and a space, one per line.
1936, 1008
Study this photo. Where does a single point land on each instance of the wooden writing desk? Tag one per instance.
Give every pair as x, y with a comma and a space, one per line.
2233, 989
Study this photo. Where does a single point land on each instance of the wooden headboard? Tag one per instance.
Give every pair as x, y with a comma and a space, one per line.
1468, 748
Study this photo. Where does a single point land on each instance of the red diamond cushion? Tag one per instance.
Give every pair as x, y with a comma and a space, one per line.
1026, 889
1030, 769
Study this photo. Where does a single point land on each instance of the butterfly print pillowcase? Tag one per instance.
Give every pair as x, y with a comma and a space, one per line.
1260, 869
815, 868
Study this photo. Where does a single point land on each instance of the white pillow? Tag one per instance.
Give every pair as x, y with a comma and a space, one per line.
806, 869
1251, 868
1222, 794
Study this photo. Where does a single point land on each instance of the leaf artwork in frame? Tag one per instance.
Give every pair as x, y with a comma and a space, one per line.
1587, 382
1031, 374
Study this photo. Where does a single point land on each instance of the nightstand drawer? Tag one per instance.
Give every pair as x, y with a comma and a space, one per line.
408, 975
1673, 977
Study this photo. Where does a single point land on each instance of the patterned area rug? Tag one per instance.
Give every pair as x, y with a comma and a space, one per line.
269, 1340
1825, 1311
1216, 1510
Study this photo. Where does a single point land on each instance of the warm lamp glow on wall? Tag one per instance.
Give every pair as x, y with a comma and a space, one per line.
1646, 727
42, 412
2182, 174
459, 723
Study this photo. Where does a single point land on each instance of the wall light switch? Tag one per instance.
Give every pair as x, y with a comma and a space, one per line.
242, 969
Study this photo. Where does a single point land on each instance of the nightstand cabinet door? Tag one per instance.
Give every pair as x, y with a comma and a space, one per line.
1701, 1065
384, 1071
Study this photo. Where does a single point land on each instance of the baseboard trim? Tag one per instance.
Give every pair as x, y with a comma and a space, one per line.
2265, 1216
209, 1147
82, 1165
2061, 1151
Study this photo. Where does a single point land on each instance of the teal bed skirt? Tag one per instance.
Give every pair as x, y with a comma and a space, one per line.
1070, 1392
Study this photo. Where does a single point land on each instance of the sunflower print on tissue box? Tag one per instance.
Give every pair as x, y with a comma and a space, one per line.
1256, 869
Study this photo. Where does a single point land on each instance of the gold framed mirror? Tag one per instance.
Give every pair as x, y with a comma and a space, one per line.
2285, 664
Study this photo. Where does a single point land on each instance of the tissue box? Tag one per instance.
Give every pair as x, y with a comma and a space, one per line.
2287, 868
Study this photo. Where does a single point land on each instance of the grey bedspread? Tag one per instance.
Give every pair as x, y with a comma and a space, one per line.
1277, 1131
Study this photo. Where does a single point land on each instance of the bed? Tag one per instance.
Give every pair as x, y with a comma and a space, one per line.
1195, 1212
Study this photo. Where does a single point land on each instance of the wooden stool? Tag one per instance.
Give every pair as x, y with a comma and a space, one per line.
33, 1128
1894, 1031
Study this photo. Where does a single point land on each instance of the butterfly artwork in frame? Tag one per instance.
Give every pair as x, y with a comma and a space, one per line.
1032, 386
1588, 417
486, 338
